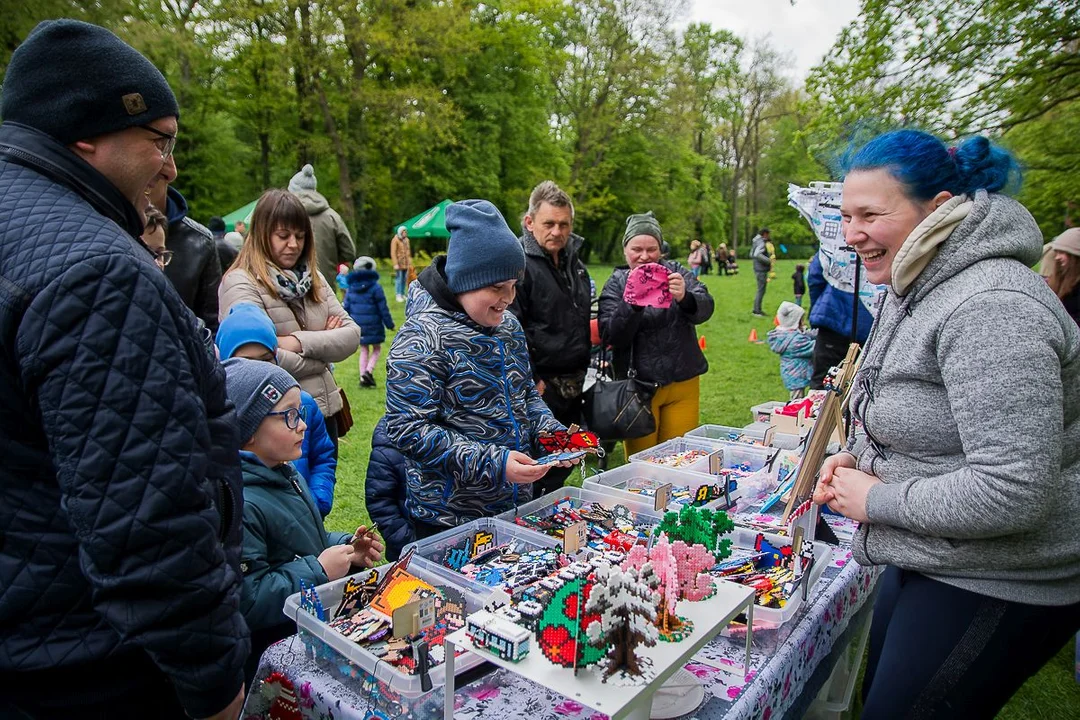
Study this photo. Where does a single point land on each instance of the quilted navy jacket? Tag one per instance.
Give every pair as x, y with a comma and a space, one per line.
384, 492
459, 397
120, 486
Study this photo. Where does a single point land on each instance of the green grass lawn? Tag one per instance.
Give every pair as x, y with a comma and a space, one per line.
741, 374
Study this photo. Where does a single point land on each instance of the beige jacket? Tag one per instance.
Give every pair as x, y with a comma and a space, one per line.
311, 367
399, 253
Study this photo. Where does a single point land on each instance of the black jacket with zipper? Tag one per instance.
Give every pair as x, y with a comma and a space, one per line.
552, 306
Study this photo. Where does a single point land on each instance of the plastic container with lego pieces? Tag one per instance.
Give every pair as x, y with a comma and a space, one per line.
629, 483
750, 458
743, 540
763, 412
679, 454
350, 659
546, 506
431, 551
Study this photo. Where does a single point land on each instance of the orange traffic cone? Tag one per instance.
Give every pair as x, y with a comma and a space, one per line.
753, 335
701, 342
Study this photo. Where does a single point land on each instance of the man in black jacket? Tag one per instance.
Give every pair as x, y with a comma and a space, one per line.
195, 270
552, 304
119, 487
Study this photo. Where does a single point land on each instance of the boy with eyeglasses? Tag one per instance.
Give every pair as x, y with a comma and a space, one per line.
248, 332
284, 538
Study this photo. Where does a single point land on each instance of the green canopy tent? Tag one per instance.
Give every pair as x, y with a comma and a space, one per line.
240, 215
430, 223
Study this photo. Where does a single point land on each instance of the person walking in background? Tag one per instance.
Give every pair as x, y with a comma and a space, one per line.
707, 259
401, 256
333, 243
248, 332
120, 483
661, 343
963, 464
366, 304
553, 305
759, 253
799, 283
722, 259
276, 270
795, 346
696, 258
1064, 275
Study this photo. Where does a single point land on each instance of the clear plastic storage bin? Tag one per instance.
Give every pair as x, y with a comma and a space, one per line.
627, 482
354, 661
675, 447
430, 551
641, 507
763, 412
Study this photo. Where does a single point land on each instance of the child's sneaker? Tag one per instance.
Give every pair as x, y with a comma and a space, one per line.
367, 380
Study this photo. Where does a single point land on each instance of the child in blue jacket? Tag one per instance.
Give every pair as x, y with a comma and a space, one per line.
248, 332
461, 404
284, 538
365, 302
795, 346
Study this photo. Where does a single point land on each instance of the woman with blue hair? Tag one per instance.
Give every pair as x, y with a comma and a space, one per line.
963, 464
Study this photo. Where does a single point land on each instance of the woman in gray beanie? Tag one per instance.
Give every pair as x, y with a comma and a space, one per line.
1064, 275
661, 343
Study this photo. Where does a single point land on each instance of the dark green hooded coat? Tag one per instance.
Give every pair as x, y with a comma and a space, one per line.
283, 536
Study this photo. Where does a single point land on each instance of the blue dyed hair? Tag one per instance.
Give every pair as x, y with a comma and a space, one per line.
925, 167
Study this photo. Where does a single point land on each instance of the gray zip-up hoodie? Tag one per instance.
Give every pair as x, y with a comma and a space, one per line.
967, 407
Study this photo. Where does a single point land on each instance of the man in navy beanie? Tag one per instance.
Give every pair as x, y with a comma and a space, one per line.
461, 404
120, 488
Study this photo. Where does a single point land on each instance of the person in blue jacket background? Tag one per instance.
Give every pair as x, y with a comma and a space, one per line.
831, 312
248, 332
365, 302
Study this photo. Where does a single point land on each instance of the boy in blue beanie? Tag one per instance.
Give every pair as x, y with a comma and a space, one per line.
461, 405
284, 538
248, 332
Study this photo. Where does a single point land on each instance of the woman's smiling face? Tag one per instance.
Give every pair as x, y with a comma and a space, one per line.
878, 216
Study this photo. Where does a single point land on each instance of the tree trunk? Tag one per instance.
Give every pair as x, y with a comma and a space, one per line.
348, 209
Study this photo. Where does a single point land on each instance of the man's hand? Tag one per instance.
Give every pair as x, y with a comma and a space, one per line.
337, 561
541, 386
290, 343
677, 285
232, 711
522, 469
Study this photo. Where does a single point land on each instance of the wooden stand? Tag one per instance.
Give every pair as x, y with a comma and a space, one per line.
830, 418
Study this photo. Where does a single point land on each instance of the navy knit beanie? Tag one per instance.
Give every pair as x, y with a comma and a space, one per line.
75, 81
254, 388
482, 251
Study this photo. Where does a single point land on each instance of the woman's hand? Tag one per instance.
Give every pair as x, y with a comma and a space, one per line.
333, 322
367, 546
522, 469
823, 493
850, 489
336, 561
677, 285
290, 343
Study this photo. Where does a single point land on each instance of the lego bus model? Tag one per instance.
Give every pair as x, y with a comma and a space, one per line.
497, 635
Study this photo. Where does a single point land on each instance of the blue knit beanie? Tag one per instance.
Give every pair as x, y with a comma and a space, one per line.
246, 323
75, 81
482, 250
254, 388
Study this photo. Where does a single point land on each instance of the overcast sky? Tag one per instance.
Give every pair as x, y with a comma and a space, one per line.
806, 30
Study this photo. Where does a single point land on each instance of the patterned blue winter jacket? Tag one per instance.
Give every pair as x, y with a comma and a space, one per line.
120, 495
459, 397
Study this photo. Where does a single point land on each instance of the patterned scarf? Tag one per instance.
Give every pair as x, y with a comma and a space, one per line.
292, 285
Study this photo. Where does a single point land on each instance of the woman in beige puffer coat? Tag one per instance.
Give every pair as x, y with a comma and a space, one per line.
276, 270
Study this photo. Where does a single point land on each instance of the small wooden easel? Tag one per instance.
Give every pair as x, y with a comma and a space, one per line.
830, 419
